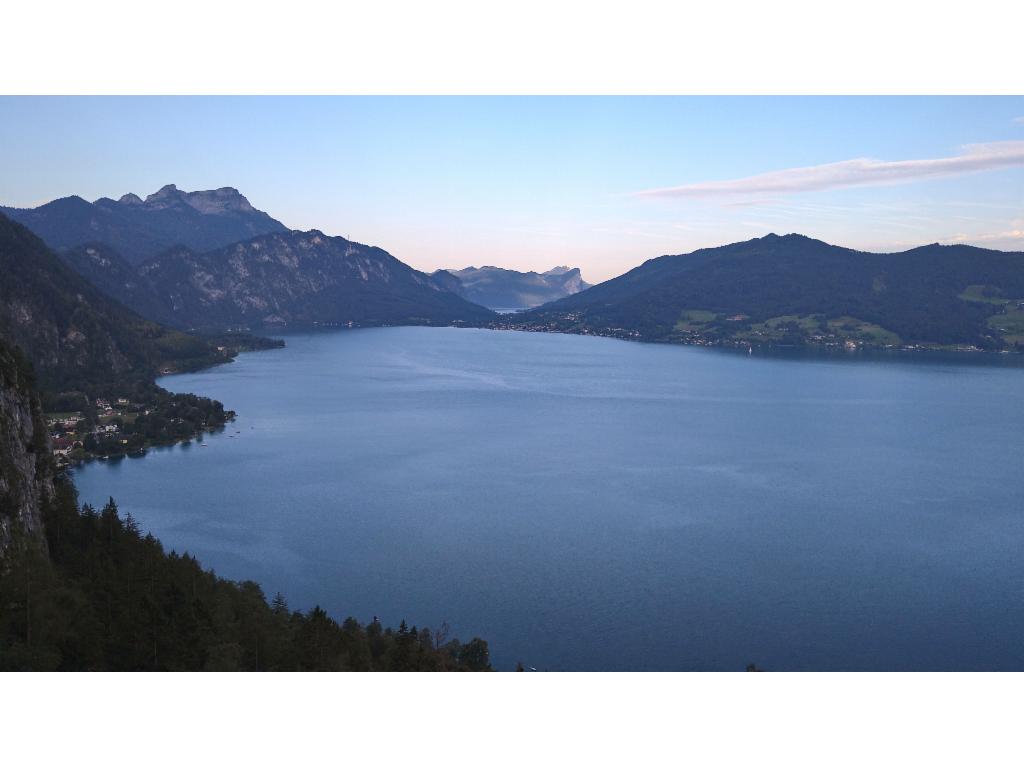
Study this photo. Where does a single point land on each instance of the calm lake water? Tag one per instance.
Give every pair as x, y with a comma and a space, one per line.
588, 503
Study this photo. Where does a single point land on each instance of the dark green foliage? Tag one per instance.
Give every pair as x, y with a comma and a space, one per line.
15, 369
171, 418
110, 598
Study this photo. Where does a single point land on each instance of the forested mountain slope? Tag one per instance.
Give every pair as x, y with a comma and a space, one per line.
797, 290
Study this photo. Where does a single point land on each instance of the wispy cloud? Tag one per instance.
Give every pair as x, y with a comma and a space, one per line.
1008, 236
860, 172
1019, 120
1015, 233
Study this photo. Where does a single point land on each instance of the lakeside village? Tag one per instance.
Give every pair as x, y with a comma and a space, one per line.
122, 427
568, 322
126, 417
707, 329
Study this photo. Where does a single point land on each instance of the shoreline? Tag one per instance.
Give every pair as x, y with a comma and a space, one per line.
845, 347
63, 455
845, 351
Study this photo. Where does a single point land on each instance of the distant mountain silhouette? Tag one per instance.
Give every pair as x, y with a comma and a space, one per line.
797, 290
139, 229
500, 288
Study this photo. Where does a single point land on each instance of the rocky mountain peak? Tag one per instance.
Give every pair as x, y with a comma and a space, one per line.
165, 192
218, 201
210, 201
560, 270
139, 229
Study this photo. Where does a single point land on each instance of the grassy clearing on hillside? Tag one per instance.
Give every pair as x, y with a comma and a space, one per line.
783, 325
1010, 325
785, 329
856, 329
983, 294
694, 319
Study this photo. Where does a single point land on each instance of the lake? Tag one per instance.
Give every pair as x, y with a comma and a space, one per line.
588, 503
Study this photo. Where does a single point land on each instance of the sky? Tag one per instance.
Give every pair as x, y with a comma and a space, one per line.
526, 183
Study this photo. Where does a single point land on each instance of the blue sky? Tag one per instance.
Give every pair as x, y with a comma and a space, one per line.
528, 183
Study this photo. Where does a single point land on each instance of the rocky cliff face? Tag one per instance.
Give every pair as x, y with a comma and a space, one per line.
569, 280
214, 202
26, 466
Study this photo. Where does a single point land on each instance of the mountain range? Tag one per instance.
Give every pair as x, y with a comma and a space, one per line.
287, 278
499, 288
797, 290
139, 229
75, 336
209, 260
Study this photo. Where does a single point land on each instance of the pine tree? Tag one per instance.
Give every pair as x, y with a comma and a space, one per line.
279, 606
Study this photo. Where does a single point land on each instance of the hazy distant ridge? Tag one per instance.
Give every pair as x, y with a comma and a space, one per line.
500, 288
